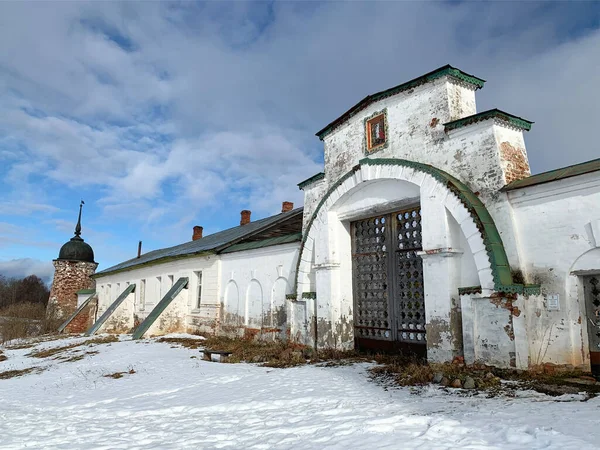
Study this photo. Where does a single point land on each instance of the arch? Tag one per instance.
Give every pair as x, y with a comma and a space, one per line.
587, 263
467, 209
232, 304
254, 304
278, 314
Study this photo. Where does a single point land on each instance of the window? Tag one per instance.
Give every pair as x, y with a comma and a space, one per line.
142, 294
376, 131
198, 289
108, 292
118, 290
170, 277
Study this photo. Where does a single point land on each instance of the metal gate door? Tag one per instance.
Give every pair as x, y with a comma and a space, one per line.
389, 309
591, 287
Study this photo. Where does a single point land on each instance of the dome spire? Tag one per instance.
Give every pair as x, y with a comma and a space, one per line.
78, 226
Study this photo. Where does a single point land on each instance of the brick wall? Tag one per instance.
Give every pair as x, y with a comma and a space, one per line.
84, 319
516, 164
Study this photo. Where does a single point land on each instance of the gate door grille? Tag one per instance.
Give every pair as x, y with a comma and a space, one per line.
389, 310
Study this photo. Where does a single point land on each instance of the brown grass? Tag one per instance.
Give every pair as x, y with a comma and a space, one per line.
47, 353
23, 320
117, 375
18, 373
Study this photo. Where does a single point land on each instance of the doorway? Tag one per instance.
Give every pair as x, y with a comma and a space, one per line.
387, 272
591, 289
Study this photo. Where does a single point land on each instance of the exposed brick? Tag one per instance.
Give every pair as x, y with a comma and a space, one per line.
69, 277
515, 162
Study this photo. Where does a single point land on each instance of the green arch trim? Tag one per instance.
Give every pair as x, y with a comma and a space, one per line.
503, 280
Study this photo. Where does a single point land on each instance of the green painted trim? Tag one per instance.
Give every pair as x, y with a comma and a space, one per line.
512, 120
290, 296
77, 311
86, 291
179, 285
309, 295
385, 145
154, 262
111, 309
469, 290
446, 70
503, 281
311, 180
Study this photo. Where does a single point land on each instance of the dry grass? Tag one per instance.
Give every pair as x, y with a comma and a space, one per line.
18, 373
47, 353
184, 342
118, 375
23, 320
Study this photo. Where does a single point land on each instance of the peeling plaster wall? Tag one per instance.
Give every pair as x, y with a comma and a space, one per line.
110, 286
555, 223
255, 285
312, 195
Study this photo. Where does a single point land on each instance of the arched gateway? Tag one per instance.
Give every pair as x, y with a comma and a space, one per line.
385, 253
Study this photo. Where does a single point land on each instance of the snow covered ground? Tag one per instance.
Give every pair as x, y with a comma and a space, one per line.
175, 400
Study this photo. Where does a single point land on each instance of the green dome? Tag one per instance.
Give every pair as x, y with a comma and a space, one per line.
76, 250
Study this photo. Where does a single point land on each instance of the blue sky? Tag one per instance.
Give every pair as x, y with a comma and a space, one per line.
162, 116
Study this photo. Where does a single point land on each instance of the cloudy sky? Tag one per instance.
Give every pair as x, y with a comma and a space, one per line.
162, 115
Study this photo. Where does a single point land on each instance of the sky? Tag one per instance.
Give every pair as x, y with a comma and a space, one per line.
162, 116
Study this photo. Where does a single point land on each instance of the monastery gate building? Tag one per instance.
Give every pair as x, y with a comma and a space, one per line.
425, 234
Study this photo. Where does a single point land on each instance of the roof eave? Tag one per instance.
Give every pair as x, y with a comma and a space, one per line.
446, 70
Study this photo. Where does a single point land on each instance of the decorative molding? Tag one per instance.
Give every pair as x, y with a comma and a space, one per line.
366, 131
501, 271
327, 266
469, 290
309, 295
496, 114
444, 251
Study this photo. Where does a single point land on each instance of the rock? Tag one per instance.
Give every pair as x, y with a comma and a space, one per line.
437, 377
469, 383
445, 381
456, 383
489, 376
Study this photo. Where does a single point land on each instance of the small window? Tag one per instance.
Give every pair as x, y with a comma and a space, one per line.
376, 132
198, 289
118, 290
108, 291
170, 281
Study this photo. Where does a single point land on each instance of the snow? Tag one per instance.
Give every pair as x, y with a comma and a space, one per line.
175, 400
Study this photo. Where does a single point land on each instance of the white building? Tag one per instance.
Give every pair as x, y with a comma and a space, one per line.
425, 234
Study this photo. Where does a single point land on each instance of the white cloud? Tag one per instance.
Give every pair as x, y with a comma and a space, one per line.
170, 111
20, 268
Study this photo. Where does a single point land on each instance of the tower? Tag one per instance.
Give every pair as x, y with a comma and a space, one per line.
72, 272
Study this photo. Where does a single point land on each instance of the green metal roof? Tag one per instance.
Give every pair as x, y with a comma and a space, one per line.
446, 70
503, 281
269, 242
86, 291
515, 121
210, 244
555, 175
310, 180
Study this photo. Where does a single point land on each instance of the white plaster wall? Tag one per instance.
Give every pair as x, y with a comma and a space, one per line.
312, 196
553, 223
209, 265
255, 283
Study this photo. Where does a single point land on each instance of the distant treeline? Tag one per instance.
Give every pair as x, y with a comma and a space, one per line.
30, 289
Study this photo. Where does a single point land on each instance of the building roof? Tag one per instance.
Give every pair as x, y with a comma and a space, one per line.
555, 175
314, 178
446, 70
510, 119
269, 242
281, 224
76, 249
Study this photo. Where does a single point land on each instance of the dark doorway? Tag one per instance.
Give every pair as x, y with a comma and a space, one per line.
591, 289
389, 307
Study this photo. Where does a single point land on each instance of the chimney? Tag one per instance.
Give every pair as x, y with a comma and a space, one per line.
287, 207
139, 249
197, 233
245, 220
